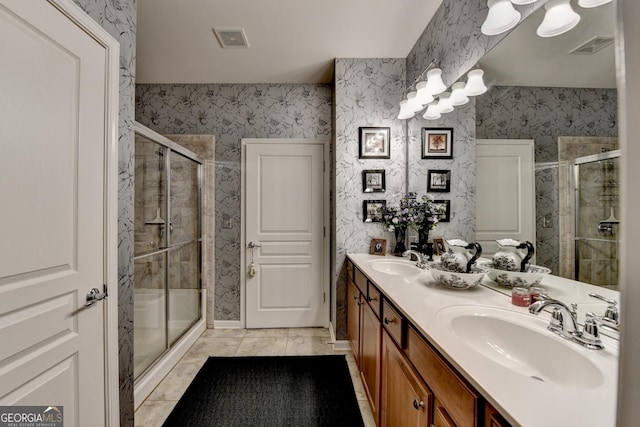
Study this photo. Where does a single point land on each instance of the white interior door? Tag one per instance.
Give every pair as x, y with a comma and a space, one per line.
505, 192
53, 130
284, 215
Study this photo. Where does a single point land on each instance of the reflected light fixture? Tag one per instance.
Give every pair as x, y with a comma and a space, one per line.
502, 17
523, 2
444, 103
413, 103
558, 18
458, 95
435, 85
475, 84
405, 111
423, 96
432, 112
592, 3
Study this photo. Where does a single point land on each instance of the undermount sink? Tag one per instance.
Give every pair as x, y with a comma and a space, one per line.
522, 344
395, 268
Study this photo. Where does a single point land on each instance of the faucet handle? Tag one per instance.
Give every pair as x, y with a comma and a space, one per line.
600, 297
611, 312
590, 336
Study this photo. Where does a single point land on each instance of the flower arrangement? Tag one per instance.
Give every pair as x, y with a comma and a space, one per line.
411, 212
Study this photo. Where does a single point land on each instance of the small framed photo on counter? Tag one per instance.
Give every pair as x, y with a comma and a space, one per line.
373, 181
378, 247
437, 143
438, 246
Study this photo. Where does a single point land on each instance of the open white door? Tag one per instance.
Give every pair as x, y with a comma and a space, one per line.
506, 178
56, 128
284, 217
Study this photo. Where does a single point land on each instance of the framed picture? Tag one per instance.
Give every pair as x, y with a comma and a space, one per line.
378, 247
437, 143
438, 246
439, 180
373, 209
445, 205
375, 143
373, 181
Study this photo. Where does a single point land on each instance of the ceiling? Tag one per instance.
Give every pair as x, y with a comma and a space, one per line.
524, 59
291, 41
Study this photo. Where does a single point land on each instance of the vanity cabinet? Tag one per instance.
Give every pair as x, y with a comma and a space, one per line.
407, 382
406, 401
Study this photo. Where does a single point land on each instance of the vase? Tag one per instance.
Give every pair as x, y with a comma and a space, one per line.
424, 246
400, 247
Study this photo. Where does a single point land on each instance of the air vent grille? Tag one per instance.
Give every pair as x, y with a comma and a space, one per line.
592, 46
231, 38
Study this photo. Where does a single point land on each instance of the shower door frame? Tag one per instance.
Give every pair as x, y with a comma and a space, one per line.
146, 381
606, 155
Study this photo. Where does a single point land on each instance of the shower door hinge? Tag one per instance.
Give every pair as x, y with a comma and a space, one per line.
324, 166
324, 231
324, 297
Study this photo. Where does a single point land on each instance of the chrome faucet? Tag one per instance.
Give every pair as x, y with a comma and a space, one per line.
422, 261
563, 323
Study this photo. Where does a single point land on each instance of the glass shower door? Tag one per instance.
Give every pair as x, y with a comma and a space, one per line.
597, 224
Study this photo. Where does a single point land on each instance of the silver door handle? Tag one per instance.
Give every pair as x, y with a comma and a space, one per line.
252, 245
93, 296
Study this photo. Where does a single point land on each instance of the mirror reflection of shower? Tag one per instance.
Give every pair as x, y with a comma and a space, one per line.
597, 227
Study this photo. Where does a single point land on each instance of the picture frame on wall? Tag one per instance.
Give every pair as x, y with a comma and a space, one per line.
437, 143
374, 142
378, 247
373, 181
438, 246
445, 210
373, 210
439, 180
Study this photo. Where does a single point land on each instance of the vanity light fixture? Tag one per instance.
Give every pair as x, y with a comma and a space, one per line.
523, 2
413, 102
432, 112
559, 18
435, 85
444, 103
405, 110
502, 17
592, 3
475, 84
423, 96
458, 95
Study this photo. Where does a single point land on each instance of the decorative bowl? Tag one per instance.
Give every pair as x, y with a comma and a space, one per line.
455, 279
511, 279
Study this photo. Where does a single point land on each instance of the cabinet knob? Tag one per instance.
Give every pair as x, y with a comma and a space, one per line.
387, 321
355, 297
417, 404
359, 303
371, 299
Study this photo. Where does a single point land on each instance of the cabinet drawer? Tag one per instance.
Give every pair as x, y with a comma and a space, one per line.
373, 298
393, 323
360, 280
460, 401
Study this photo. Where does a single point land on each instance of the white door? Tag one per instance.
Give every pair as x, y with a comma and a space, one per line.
505, 192
53, 124
284, 216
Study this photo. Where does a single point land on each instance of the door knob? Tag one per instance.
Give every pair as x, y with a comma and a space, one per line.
93, 296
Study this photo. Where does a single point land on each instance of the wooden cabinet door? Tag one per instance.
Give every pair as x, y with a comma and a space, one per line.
405, 399
370, 332
441, 417
354, 300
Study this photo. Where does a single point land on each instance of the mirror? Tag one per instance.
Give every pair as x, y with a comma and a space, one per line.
560, 92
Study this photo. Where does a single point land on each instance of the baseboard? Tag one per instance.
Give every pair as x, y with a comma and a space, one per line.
226, 324
341, 345
150, 380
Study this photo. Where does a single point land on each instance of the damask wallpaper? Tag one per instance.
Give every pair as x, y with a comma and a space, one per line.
367, 93
233, 112
119, 19
544, 114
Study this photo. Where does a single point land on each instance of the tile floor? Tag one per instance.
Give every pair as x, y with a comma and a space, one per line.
241, 342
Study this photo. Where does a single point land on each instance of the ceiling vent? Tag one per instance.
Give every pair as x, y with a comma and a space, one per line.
232, 38
592, 46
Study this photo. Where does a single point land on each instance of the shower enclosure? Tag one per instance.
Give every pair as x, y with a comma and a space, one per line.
168, 239
597, 228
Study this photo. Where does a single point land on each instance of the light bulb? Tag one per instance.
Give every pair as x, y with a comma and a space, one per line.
444, 103
475, 85
502, 16
435, 85
558, 18
458, 96
432, 112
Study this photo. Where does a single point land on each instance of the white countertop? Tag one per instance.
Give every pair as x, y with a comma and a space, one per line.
521, 399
